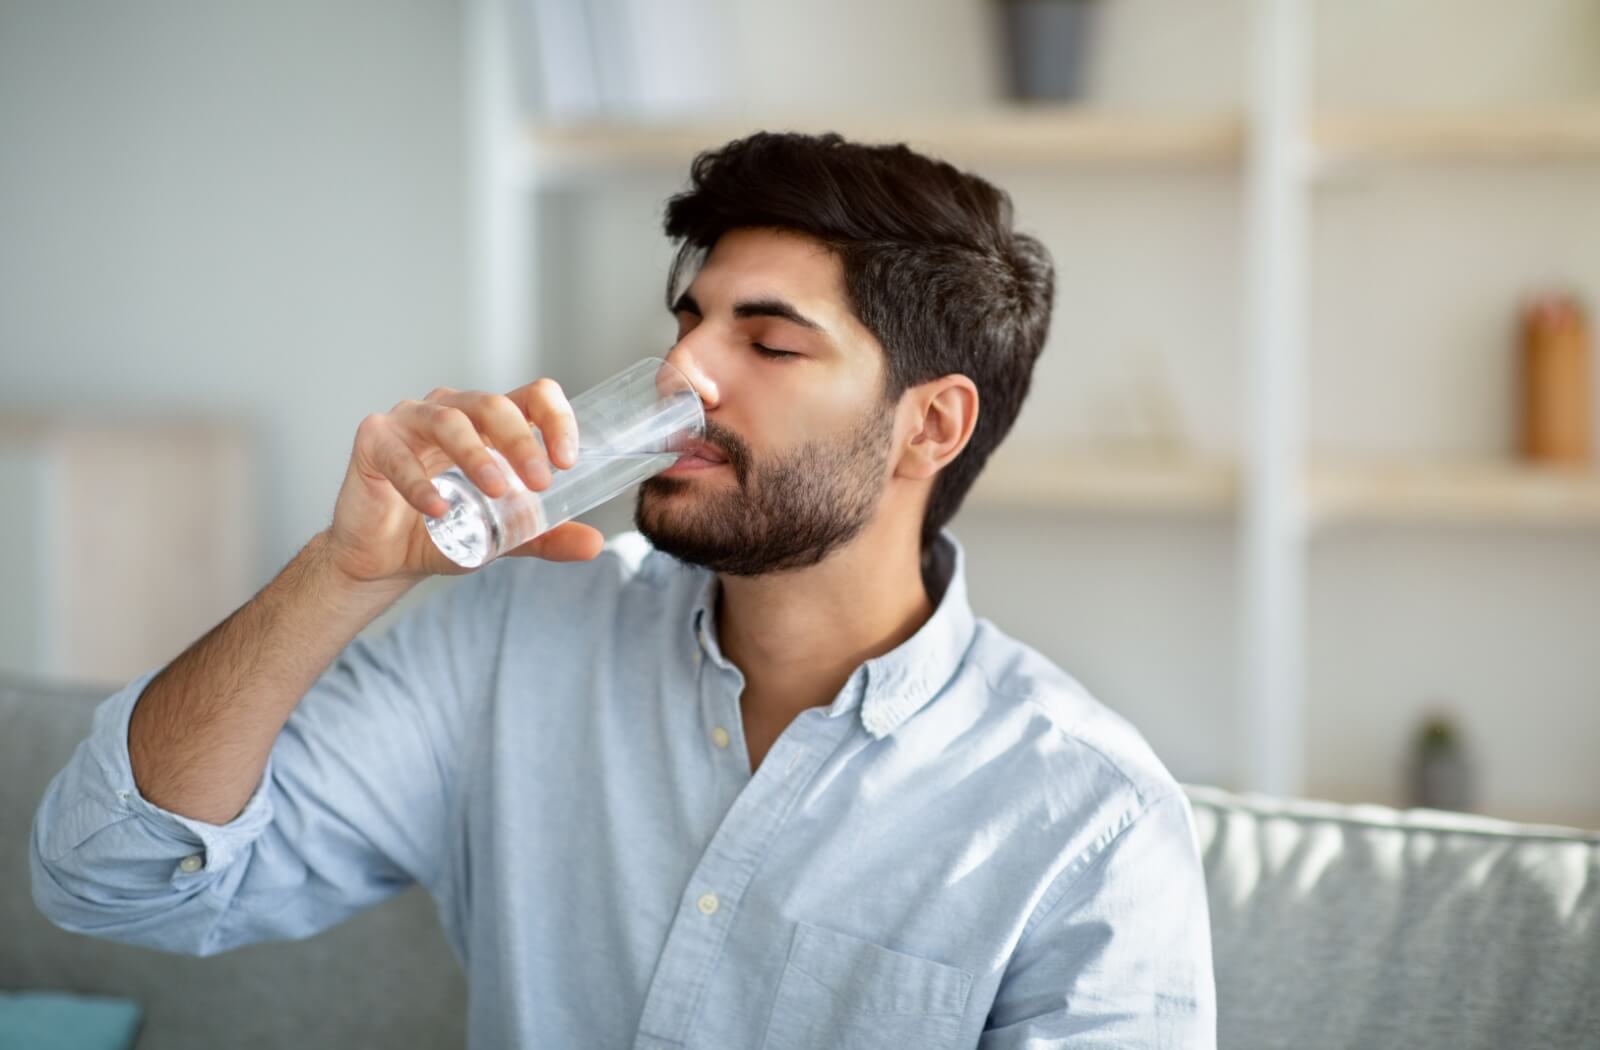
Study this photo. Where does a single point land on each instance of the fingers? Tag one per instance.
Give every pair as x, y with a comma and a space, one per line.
464, 425
573, 541
392, 458
452, 430
507, 422
546, 407
501, 420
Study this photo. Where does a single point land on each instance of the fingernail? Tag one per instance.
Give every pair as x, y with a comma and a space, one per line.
568, 449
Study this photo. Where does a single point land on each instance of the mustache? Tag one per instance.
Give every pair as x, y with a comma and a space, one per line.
732, 446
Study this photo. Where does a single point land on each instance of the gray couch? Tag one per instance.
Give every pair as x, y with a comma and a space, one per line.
385, 978
1334, 926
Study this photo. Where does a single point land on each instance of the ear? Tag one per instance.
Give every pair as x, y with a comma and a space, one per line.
941, 414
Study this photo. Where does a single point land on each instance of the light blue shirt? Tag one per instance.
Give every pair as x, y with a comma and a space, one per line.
963, 849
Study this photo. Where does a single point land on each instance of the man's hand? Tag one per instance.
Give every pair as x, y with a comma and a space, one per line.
378, 530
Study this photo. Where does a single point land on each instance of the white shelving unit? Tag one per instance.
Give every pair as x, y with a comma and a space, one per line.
1281, 495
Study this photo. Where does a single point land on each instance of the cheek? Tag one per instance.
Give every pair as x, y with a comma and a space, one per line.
794, 424
782, 407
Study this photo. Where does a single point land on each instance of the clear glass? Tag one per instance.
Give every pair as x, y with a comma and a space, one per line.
631, 427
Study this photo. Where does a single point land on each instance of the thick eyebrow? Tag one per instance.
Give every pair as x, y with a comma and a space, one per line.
754, 308
775, 308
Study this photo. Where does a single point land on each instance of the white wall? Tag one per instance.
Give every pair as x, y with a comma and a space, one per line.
254, 209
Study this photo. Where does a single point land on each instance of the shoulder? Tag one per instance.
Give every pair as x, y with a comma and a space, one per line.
1081, 773
1075, 743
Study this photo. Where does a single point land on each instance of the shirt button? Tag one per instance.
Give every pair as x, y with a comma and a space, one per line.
708, 903
191, 864
719, 736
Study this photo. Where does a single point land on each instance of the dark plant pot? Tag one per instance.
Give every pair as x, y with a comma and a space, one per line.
1046, 42
1443, 778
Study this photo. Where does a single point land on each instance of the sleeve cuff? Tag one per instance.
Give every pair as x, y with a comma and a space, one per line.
218, 844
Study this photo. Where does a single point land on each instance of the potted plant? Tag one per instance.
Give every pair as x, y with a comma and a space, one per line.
1441, 774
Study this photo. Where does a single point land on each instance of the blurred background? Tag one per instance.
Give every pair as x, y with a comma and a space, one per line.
1304, 485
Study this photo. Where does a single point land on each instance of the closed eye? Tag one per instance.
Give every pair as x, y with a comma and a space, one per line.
769, 352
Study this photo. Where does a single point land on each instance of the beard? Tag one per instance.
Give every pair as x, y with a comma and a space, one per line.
788, 512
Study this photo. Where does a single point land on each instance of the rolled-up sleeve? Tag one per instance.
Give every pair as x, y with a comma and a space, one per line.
1119, 954
351, 807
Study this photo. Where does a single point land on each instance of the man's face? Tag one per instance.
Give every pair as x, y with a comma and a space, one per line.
793, 385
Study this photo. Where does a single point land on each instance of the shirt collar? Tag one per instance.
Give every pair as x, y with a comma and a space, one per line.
890, 688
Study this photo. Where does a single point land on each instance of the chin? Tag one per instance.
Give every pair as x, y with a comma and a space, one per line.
650, 514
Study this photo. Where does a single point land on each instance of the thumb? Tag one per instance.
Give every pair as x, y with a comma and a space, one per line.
573, 541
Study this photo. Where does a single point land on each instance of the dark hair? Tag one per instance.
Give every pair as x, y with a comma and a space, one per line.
931, 265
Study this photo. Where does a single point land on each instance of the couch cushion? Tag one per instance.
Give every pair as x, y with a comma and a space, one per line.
385, 978
1344, 926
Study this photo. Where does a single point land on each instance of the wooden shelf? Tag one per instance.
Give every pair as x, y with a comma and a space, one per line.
1455, 492
1108, 482
1550, 134
1066, 136
1016, 136
1443, 492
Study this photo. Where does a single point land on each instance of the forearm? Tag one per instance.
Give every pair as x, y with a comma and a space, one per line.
201, 732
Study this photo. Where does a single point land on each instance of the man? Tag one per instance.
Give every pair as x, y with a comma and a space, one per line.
753, 776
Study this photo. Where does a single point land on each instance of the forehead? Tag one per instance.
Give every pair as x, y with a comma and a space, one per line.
760, 263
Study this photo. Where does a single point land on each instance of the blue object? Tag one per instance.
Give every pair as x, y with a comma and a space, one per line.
63, 1021
962, 839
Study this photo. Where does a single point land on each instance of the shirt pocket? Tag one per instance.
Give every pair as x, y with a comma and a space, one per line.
846, 993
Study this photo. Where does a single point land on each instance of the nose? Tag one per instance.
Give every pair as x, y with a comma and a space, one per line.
692, 364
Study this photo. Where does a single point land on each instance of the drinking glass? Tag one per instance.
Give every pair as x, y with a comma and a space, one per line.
631, 427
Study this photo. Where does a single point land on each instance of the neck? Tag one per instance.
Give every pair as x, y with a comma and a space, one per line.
798, 636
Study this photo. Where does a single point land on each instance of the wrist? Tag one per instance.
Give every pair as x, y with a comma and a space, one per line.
344, 587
